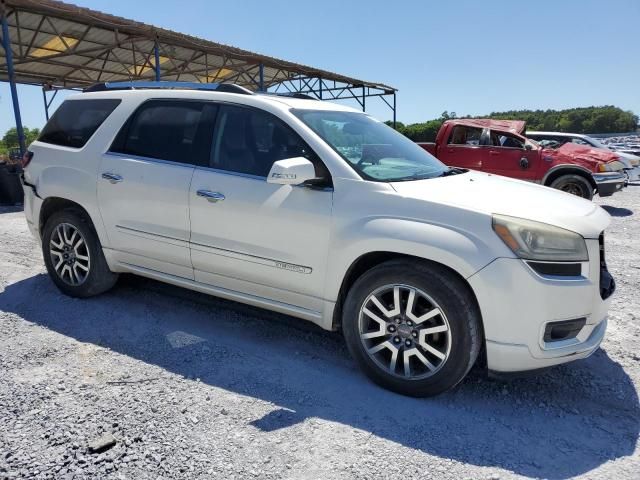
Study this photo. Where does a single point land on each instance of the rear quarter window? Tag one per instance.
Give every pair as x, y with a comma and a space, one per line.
75, 121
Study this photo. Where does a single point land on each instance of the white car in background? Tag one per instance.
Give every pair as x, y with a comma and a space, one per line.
631, 162
321, 212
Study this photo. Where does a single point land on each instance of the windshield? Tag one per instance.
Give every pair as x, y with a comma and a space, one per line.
374, 150
595, 142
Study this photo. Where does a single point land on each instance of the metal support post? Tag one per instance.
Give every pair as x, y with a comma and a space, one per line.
363, 99
261, 81
6, 44
394, 109
46, 104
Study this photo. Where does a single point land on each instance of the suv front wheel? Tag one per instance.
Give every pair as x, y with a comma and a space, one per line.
73, 255
413, 328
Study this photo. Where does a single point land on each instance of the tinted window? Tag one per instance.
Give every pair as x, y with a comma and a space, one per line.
76, 121
250, 140
171, 130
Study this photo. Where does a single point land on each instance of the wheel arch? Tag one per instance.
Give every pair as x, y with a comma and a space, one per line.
51, 205
370, 260
561, 170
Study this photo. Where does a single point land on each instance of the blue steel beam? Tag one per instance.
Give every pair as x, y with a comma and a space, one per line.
6, 44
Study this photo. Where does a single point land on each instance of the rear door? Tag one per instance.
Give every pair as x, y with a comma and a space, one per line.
463, 148
508, 155
143, 183
254, 237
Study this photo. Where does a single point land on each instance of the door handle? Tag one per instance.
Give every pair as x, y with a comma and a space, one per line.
212, 197
493, 152
112, 177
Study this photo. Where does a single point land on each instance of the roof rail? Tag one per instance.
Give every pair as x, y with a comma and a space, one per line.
133, 85
303, 96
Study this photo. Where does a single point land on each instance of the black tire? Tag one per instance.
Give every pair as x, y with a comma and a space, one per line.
454, 299
574, 184
99, 278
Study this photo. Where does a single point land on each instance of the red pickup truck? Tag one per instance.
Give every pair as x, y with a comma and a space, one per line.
500, 147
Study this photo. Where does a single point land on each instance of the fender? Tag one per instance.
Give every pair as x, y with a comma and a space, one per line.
463, 251
563, 166
55, 181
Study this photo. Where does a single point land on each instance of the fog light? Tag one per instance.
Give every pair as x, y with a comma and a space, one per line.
564, 330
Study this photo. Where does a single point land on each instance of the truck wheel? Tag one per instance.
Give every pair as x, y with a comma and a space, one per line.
73, 255
575, 185
413, 328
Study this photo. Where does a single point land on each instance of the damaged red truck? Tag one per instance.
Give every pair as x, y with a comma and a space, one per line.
501, 147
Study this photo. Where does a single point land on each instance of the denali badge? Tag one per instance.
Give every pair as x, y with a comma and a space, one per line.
292, 267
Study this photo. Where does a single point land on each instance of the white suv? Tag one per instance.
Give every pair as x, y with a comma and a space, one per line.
326, 214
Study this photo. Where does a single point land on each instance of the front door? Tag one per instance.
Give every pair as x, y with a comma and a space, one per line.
506, 155
251, 236
144, 180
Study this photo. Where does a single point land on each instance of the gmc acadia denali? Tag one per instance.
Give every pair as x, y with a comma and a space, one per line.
323, 213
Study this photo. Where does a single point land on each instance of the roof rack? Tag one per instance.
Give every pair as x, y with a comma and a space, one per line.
217, 87
303, 96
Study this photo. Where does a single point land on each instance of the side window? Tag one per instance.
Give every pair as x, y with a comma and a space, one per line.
503, 139
75, 121
174, 130
249, 141
462, 135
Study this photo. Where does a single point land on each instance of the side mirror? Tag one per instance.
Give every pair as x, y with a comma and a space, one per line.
527, 146
291, 171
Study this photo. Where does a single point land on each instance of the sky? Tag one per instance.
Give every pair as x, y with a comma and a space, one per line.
468, 57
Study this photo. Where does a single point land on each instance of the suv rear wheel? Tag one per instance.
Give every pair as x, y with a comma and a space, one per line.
413, 328
73, 255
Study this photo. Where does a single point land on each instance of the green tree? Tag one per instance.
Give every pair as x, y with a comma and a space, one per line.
10, 138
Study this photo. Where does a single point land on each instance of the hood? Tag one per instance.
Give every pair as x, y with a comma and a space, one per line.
514, 126
572, 151
634, 160
493, 194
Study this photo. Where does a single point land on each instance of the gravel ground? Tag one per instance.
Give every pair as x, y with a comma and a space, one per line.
190, 386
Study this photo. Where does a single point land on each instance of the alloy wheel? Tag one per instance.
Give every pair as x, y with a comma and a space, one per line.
69, 254
404, 331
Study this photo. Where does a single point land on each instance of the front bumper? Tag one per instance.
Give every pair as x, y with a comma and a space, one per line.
609, 183
518, 303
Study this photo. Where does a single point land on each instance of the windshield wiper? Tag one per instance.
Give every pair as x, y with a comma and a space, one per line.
453, 171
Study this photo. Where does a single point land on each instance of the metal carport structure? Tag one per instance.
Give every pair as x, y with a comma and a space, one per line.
62, 46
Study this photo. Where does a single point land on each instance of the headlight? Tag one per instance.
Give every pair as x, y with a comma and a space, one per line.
614, 166
539, 241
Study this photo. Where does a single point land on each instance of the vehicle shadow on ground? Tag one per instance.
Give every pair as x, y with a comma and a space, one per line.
617, 211
556, 425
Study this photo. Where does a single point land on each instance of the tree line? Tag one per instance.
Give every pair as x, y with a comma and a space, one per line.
607, 119
10, 139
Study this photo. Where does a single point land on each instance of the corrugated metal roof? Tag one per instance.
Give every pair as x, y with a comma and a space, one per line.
69, 46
